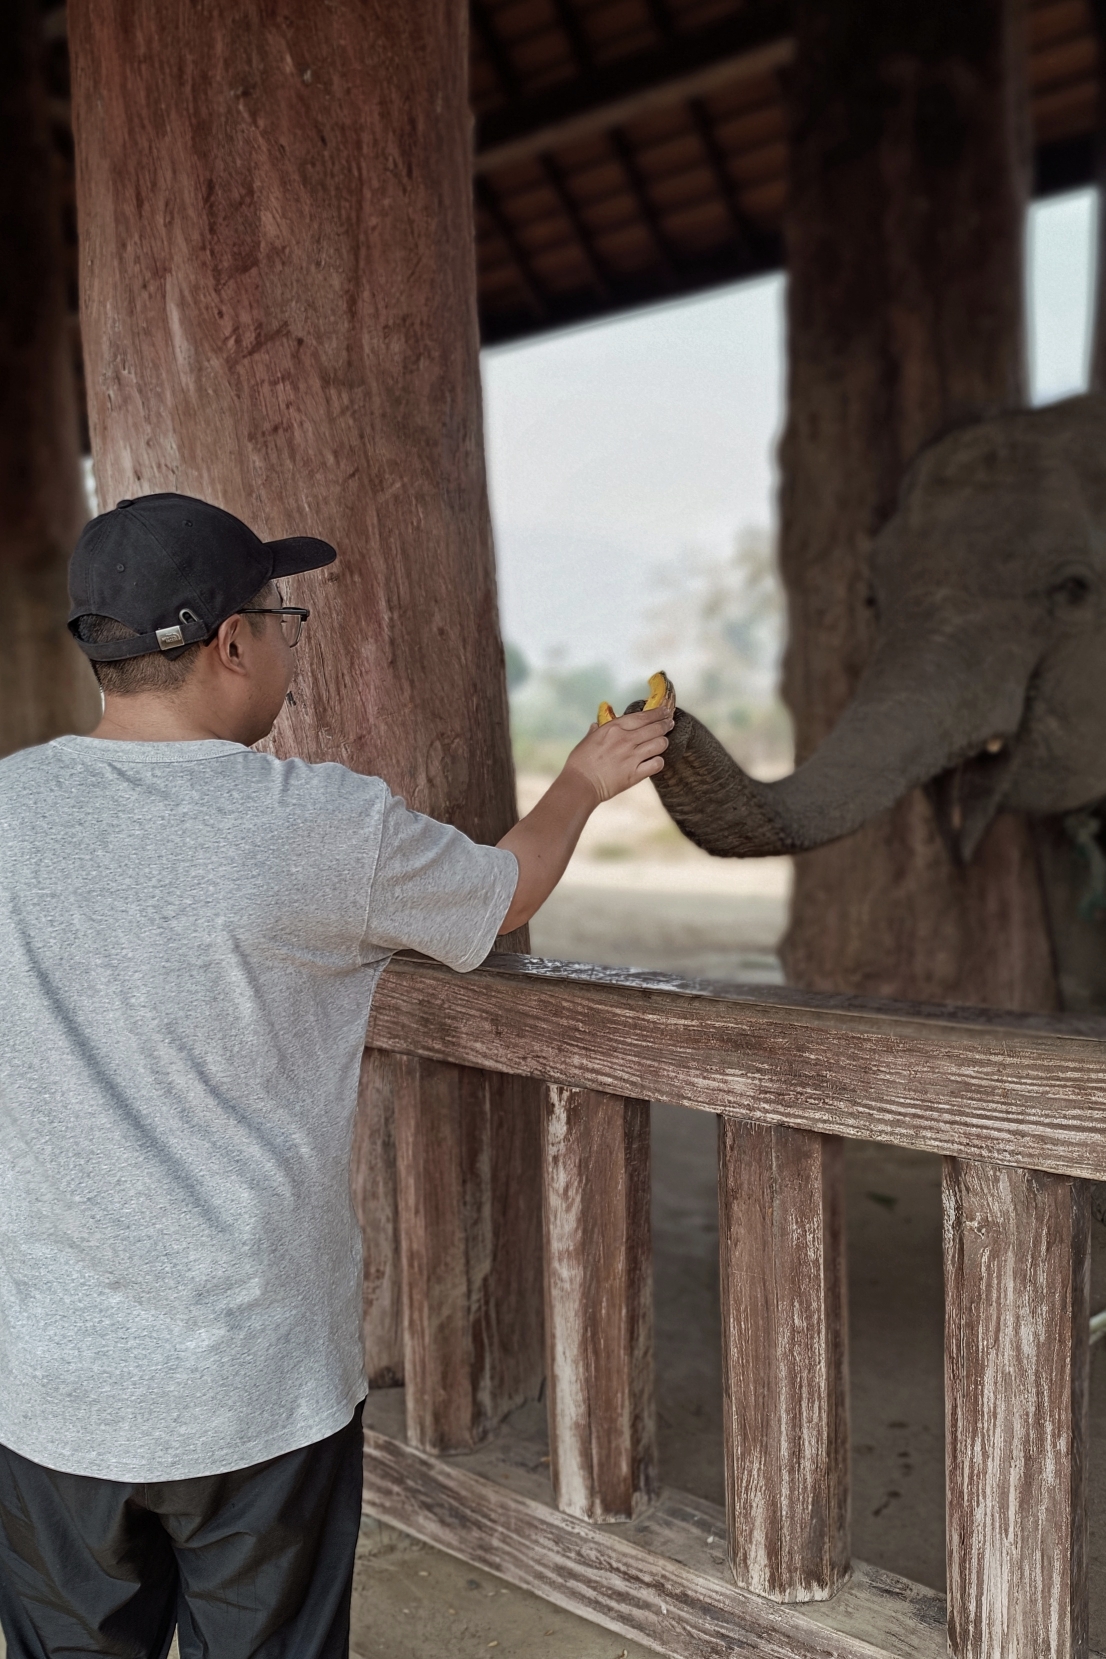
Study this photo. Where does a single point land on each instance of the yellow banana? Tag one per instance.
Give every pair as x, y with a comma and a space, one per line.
661, 691
662, 694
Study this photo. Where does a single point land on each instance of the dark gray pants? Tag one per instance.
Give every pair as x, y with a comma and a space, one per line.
253, 1564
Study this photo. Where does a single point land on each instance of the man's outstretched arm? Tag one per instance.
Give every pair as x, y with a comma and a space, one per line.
609, 759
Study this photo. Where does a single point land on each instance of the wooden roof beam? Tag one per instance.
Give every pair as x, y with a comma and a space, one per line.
687, 66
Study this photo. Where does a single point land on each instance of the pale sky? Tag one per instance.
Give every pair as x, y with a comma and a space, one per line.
621, 446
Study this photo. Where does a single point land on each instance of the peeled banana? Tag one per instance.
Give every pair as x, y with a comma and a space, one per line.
662, 694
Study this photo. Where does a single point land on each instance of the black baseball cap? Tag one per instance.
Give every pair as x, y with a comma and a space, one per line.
173, 568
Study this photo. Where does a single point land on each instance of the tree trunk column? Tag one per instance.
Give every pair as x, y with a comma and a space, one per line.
46, 686
908, 190
279, 313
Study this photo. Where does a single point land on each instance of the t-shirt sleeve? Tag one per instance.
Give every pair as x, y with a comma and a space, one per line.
435, 891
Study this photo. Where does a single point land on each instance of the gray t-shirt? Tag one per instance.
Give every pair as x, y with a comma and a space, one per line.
190, 936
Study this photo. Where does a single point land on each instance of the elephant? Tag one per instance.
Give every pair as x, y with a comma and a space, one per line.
987, 682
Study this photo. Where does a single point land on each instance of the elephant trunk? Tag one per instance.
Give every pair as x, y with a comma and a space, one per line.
911, 720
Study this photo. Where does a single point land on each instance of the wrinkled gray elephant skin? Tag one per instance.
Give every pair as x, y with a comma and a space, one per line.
988, 678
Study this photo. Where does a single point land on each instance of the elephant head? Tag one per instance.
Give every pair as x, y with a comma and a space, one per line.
988, 677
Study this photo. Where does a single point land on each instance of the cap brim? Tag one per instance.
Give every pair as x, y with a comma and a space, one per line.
296, 553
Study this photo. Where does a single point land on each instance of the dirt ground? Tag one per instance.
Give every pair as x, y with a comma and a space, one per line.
637, 896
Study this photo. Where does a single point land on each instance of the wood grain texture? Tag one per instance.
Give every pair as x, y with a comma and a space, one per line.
46, 686
279, 315
596, 1196
1017, 1296
373, 1185
907, 192
466, 1337
662, 1580
1009, 1089
784, 1359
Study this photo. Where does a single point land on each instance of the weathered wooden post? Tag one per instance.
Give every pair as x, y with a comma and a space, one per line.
279, 313
784, 1359
1017, 1326
909, 183
908, 187
1098, 325
599, 1303
46, 686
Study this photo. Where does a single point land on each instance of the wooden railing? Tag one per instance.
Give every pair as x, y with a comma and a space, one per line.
1017, 1107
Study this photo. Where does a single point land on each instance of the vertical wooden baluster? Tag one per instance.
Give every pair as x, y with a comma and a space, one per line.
1017, 1311
784, 1356
470, 1247
373, 1185
599, 1303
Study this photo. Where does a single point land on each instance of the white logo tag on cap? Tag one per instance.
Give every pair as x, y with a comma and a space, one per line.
169, 638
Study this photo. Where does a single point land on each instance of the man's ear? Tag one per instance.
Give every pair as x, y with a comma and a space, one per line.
226, 643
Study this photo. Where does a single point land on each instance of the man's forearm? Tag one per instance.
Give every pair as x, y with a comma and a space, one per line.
544, 841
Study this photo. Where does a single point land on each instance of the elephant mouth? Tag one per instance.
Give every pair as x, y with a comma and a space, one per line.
967, 796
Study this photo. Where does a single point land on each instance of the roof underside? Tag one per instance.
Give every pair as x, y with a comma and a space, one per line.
629, 151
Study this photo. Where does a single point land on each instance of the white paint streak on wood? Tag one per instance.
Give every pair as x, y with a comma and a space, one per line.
598, 1303
1017, 1266
784, 1354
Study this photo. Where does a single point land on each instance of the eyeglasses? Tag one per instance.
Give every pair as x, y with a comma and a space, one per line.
292, 619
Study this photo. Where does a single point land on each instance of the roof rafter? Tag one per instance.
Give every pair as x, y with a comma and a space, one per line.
487, 199
644, 201
744, 229
693, 64
494, 48
575, 33
583, 236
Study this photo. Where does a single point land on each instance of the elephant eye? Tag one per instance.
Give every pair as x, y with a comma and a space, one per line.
1073, 590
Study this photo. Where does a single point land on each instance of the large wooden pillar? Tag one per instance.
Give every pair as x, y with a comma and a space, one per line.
909, 181
46, 686
279, 314
1097, 375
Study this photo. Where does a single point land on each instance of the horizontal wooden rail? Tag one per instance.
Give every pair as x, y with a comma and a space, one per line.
1016, 1089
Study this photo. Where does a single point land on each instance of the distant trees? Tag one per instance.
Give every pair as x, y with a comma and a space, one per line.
718, 628
715, 624
552, 708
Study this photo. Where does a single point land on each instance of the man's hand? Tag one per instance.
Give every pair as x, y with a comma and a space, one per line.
608, 760
616, 756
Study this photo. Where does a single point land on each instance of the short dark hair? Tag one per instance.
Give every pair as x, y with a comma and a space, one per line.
155, 671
